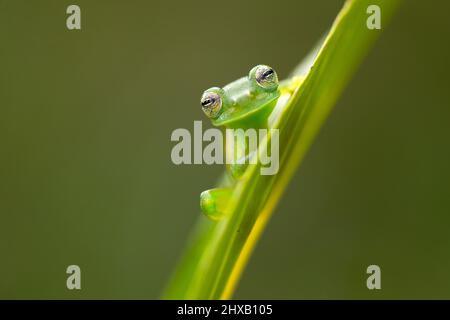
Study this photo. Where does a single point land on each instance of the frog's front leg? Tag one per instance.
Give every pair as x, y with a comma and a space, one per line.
241, 146
238, 168
214, 202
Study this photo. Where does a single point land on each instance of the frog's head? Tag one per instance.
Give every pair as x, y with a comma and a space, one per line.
242, 98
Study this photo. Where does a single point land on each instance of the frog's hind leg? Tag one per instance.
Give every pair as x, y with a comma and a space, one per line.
214, 202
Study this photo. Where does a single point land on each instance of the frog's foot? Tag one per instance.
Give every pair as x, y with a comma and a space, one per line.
213, 202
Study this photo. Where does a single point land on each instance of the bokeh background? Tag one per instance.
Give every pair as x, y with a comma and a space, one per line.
85, 170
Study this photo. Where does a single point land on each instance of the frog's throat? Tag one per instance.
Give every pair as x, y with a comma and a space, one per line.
255, 118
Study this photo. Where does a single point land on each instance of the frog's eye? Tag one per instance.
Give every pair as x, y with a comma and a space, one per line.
211, 104
266, 77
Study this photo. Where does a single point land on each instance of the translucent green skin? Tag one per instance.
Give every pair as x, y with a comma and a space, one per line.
245, 104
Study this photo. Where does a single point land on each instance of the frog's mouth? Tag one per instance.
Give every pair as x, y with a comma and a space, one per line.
235, 116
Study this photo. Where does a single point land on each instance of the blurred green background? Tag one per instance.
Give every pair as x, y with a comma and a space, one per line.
85, 170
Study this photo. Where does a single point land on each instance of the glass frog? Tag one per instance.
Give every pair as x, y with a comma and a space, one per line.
244, 103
